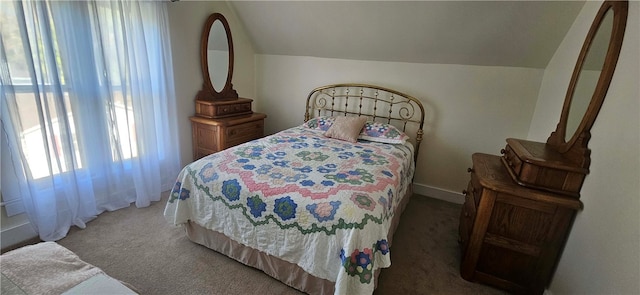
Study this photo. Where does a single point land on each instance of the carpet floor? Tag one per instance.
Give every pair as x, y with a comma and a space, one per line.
139, 247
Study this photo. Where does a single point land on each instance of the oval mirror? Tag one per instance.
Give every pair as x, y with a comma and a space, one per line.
589, 74
591, 77
216, 54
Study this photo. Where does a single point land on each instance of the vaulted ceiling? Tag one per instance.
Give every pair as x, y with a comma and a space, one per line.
490, 33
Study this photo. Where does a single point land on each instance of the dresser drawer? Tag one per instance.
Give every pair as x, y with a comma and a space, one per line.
475, 189
233, 109
469, 207
467, 216
464, 233
512, 161
241, 133
206, 136
223, 109
539, 166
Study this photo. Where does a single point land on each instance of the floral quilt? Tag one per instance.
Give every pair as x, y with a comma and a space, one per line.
321, 203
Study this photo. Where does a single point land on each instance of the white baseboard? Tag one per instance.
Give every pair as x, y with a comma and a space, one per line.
17, 234
438, 193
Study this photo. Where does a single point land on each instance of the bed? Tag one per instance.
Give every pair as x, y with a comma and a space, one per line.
48, 268
314, 206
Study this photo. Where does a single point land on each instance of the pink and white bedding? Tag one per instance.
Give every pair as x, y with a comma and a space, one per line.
323, 204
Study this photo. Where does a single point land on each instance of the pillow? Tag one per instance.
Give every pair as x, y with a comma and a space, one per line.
372, 131
346, 128
320, 123
382, 132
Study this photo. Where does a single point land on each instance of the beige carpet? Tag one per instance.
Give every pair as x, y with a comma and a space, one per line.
139, 247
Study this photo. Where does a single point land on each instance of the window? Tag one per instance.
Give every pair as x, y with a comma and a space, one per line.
86, 103
39, 109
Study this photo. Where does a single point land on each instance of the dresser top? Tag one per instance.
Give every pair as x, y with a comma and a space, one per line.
492, 174
543, 154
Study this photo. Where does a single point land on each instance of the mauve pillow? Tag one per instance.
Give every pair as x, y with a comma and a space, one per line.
346, 128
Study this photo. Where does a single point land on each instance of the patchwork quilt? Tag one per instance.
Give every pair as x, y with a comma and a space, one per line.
321, 203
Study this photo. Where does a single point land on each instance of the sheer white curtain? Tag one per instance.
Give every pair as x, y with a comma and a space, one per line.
88, 109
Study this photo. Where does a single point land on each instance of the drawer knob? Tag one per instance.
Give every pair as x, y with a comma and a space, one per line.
502, 151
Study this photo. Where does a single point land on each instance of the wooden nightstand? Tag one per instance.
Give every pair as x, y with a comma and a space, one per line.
213, 135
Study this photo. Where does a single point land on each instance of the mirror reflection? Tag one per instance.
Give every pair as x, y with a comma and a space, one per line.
218, 56
589, 75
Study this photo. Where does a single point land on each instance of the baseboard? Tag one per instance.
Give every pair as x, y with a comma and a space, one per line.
17, 235
438, 193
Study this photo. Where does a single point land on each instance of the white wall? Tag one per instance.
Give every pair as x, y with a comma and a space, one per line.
186, 19
602, 253
468, 108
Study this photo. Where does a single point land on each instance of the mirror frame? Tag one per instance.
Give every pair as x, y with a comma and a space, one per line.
208, 92
576, 147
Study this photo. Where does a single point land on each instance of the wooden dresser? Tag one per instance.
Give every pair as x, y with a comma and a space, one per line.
520, 207
223, 123
511, 235
222, 118
213, 135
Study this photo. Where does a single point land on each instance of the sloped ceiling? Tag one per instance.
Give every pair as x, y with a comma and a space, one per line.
490, 33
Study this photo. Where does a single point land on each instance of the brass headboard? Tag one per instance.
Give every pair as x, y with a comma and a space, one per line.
378, 103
